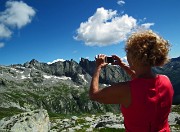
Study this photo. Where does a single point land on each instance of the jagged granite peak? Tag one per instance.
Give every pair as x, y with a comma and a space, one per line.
34, 61
87, 65
37, 71
70, 69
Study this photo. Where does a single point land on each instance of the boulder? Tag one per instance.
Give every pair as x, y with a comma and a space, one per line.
33, 121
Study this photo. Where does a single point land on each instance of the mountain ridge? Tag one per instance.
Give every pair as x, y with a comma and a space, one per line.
63, 86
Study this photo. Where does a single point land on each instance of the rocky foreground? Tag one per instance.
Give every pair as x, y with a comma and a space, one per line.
39, 121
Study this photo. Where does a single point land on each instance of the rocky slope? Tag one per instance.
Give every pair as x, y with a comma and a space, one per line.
61, 87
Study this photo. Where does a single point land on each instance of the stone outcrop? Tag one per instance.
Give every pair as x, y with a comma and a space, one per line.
34, 121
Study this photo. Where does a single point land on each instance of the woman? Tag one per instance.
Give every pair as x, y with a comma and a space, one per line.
145, 100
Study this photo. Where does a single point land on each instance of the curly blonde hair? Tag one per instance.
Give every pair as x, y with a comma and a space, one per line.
147, 48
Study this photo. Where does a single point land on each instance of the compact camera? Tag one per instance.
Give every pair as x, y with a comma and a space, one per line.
109, 59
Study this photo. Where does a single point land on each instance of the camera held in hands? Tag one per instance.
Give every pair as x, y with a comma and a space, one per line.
109, 59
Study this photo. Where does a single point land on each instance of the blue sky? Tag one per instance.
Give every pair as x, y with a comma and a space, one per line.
70, 29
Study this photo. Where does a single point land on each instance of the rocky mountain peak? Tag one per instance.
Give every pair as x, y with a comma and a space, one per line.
87, 65
33, 61
84, 60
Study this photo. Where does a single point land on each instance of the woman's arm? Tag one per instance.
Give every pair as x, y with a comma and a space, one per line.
115, 94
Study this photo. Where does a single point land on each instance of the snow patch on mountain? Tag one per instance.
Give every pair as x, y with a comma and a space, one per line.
55, 77
54, 61
82, 76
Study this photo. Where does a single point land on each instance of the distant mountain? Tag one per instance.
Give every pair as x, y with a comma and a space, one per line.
62, 87
79, 73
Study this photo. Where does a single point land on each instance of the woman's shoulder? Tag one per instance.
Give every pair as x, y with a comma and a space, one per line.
163, 76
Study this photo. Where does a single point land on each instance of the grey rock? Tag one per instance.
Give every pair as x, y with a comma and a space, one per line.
34, 121
173, 118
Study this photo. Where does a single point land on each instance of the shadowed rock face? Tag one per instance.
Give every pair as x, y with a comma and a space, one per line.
109, 75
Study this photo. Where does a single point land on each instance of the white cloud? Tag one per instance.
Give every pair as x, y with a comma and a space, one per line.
120, 2
147, 25
4, 31
17, 14
105, 27
1, 45
62, 60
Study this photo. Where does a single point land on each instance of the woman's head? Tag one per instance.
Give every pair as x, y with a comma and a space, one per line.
147, 48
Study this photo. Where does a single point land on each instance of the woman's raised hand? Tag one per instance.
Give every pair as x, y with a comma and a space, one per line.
117, 60
100, 61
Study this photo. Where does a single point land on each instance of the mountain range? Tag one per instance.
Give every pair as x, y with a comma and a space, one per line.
62, 87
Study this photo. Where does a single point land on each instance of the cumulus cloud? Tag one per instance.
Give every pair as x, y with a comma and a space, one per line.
120, 2
62, 60
105, 27
16, 15
1, 45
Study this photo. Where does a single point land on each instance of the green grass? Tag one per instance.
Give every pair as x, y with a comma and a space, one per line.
7, 112
176, 126
176, 108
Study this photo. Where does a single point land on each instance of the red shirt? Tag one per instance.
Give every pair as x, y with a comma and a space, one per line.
151, 101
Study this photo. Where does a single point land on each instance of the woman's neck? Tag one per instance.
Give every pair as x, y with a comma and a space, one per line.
144, 72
